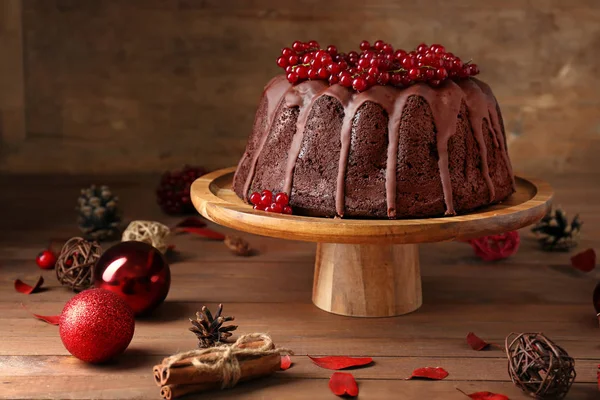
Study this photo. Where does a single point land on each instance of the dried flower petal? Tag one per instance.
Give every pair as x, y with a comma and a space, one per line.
191, 222
286, 362
476, 342
343, 384
496, 247
584, 261
24, 288
434, 373
485, 395
204, 232
340, 362
50, 319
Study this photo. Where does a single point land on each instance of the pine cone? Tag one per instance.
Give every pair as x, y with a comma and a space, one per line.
555, 233
173, 191
99, 217
210, 331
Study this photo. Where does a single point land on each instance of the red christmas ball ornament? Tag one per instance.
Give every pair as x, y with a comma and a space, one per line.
596, 300
496, 247
137, 272
46, 259
96, 325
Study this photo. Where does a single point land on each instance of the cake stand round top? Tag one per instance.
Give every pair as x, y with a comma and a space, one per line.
214, 199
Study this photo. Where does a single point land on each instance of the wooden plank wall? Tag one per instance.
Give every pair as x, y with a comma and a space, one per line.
144, 85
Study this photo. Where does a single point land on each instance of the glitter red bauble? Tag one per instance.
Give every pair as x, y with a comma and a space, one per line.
96, 325
496, 247
137, 272
46, 259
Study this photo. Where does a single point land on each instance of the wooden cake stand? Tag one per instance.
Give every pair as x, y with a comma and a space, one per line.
368, 268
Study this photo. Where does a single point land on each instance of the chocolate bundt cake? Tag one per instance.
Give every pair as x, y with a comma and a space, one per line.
389, 151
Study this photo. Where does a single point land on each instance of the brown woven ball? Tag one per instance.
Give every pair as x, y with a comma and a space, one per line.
538, 366
75, 263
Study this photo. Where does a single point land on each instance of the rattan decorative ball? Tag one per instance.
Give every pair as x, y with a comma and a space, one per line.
76, 262
151, 232
538, 366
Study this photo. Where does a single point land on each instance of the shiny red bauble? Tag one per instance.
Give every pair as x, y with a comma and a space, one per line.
96, 325
46, 259
137, 272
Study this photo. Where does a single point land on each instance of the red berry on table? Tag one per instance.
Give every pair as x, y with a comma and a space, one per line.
282, 198
364, 45
287, 210
282, 62
46, 259
359, 84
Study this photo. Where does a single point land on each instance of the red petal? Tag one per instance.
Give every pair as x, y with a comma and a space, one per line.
598, 376
343, 383
475, 342
24, 288
50, 319
340, 362
487, 396
286, 362
496, 247
204, 232
584, 261
191, 222
436, 373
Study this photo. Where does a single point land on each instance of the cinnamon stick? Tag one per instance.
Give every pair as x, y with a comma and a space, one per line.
170, 392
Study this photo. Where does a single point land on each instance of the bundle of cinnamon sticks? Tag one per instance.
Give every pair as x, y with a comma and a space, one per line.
251, 356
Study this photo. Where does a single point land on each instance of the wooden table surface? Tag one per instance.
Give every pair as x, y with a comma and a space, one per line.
270, 292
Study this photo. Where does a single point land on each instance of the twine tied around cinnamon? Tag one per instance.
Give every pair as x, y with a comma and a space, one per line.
227, 363
151, 232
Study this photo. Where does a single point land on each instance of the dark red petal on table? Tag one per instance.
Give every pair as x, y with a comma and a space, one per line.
598, 376
50, 319
343, 383
204, 232
340, 362
286, 362
476, 342
434, 373
191, 222
24, 288
496, 247
485, 395
584, 261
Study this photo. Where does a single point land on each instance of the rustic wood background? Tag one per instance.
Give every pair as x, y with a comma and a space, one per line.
144, 85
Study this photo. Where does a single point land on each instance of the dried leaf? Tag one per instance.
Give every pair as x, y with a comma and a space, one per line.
437, 373
191, 222
476, 342
584, 261
485, 395
343, 384
204, 232
50, 319
340, 362
238, 246
24, 288
286, 362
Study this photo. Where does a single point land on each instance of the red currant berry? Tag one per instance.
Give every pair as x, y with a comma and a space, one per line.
293, 59
373, 71
333, 79
314, 44
396, 79
292, 77
266, 198
359, 84
331, 49
464, 71
376, 62
302, 72
289, 69
298, 46
387, 49
46, 259
287, 210
276, 208
457, 64
371, 80
414, 74
343, 64
323, 73
307, 58
353, 71
364, 63
282, 198
312, 73
422, 48
353, 54
428, 74
364, 45
259, 207
405, 80
441, 74
345, 79
399, 54
379, 45
255, 198
334, 68
473, 69
438, 48
282, 62
435, 82
407, 62
383, 78
287, 52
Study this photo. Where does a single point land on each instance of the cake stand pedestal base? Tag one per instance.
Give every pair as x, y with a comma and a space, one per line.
367, 280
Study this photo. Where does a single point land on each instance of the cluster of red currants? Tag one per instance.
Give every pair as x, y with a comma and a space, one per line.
377, 64
264, 201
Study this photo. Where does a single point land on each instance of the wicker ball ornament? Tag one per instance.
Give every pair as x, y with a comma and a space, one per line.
75, 263
538, 366
151, 232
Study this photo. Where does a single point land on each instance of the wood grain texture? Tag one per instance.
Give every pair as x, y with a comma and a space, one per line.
12, 86
367, 280
271, 292
146, 85
214, 199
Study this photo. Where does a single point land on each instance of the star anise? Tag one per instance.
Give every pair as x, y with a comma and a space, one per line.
210, 330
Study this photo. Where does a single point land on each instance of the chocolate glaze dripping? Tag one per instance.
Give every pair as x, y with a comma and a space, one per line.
444, 102
478, 113
275, 91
